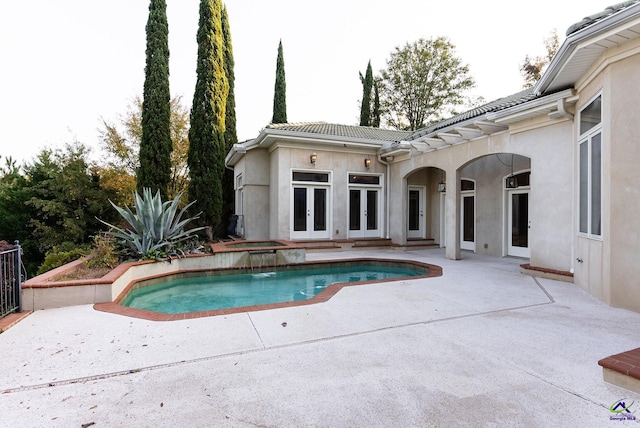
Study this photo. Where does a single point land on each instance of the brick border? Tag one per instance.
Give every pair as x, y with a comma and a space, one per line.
626, 363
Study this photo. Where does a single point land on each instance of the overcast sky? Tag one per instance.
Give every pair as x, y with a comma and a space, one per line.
67, 63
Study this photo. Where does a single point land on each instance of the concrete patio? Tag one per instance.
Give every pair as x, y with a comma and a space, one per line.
482, 345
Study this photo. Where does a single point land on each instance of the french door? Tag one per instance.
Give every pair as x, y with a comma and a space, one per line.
518, 221
416, 225
364, 213
310, 212
468, 221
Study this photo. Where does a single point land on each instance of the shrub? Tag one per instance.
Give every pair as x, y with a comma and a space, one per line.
62, 254
155, 228
104, 254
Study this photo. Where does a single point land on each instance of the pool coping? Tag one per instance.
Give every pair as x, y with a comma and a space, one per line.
326, 294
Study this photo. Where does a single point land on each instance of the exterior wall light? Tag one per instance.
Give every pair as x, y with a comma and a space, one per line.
367, 162
313, 158
442, 186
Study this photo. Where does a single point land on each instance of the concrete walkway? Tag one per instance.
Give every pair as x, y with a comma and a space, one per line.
482, 345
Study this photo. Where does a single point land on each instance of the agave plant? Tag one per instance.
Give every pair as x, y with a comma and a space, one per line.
154, 227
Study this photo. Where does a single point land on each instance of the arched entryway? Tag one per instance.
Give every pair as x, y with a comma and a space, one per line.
494, 204
424, 215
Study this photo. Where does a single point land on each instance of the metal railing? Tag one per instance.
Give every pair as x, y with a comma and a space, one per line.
11, 280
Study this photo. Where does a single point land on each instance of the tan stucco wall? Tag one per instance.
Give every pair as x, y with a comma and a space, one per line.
609, 269
254, 168
338, 163
621, 269
551, 150
544, 146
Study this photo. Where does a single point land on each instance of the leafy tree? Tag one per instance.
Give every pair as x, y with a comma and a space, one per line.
155, 144
206, 136
65, 198
422, 81
14, 215
532, 68
121, 143
365, 104
180, 141
280, 91
230, 133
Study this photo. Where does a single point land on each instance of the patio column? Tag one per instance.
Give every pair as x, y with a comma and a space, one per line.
452, 219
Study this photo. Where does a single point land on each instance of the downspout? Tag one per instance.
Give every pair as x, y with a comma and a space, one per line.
386, 195
562, 109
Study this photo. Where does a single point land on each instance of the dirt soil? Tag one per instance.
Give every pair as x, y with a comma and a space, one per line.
82, 272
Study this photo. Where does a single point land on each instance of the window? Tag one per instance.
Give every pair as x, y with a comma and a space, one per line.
317, 177
466, 185
364, 179
590, 170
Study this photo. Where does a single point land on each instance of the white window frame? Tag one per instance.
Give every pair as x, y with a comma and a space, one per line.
381, 218
587, 138
328, 185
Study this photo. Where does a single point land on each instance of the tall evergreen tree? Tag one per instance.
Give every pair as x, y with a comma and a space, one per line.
376, 113
206, 136
230, 134
365, 106
280, 92
155, 145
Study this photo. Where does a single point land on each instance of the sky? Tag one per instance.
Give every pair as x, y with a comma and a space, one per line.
66, 64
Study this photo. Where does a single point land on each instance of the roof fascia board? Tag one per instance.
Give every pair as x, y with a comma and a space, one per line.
581, 39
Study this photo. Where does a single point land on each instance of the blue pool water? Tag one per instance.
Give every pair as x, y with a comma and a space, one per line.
211, 292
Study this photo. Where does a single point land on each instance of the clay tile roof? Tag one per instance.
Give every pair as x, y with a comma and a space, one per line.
587, 21
346, 131
496, 105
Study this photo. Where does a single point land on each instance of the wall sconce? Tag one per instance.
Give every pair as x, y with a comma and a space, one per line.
367, 162
313, 158
442, 186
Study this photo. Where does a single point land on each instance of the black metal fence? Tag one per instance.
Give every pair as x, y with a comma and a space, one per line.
10, 281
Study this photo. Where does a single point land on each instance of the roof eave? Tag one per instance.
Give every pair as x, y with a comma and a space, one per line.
269, 135
535, 107
576, 41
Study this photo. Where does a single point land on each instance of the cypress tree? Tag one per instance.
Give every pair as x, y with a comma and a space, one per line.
375, 115
206, 136
280, 92
155, 144
230, 134
365, 107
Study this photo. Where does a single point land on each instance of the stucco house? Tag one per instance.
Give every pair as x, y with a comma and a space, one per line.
545, 174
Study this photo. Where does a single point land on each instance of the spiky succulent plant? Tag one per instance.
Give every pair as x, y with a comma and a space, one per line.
155, 227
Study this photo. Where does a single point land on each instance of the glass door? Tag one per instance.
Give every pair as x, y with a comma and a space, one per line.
518, 233
416, 220
310, 213
364, 209
468, 221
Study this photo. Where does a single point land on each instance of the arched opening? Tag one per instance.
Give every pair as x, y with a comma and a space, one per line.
494, 205
425, 206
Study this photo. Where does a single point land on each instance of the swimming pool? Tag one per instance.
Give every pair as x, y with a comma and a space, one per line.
235, 290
